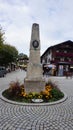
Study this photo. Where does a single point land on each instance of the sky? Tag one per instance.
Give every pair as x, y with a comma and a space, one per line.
55, 19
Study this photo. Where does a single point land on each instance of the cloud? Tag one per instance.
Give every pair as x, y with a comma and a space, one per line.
54, 17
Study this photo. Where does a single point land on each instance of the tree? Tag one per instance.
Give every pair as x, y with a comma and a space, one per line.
1, 36
22, 59
22, 56
8, 53
1, 44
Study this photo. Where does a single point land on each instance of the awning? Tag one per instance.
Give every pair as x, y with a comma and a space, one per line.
50, 66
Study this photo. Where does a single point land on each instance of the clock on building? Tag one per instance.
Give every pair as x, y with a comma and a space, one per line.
35, 44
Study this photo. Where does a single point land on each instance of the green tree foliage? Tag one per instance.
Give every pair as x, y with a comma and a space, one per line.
22, 59
22, 56
1, 36
8, 53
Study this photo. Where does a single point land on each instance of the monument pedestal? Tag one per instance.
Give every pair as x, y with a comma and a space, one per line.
34, 85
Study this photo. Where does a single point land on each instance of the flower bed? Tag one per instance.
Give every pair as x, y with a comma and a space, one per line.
16, 92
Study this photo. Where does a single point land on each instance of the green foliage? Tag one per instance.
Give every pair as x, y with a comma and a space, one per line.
56, 94
22, 56
33, 95
17, 92
1, 36
8, 53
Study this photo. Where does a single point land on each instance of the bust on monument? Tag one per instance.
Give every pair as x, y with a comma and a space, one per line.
34, 79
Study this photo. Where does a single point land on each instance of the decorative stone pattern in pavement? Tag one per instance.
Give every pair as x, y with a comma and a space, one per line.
54, 117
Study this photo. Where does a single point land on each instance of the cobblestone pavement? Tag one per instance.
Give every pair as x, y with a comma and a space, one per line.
53, 117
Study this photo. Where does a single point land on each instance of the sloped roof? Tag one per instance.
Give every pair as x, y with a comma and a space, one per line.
51, 47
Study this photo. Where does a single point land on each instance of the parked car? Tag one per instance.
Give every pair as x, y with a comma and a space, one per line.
2, 71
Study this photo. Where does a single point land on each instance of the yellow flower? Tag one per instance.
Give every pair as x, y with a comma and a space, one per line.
48, 88
46, 92
24, 94
47, 97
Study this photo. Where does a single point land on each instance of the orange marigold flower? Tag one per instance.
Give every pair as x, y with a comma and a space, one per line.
24, 94
48, 88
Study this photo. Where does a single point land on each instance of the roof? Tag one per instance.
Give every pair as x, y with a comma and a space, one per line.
51, 47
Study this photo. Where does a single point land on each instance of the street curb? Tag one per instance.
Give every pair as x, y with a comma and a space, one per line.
33, 104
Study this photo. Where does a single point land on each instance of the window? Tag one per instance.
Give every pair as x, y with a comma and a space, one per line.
62, 59
65, 51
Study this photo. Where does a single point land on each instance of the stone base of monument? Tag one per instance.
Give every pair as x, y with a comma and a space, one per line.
34, 85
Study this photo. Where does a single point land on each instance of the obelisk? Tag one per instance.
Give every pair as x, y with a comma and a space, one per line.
34, 81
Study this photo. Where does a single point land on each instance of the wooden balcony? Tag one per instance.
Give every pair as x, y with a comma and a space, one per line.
64, 54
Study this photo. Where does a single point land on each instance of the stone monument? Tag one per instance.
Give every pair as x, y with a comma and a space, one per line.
34, 81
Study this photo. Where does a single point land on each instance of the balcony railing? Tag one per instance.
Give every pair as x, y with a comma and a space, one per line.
57, 61
64, 54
